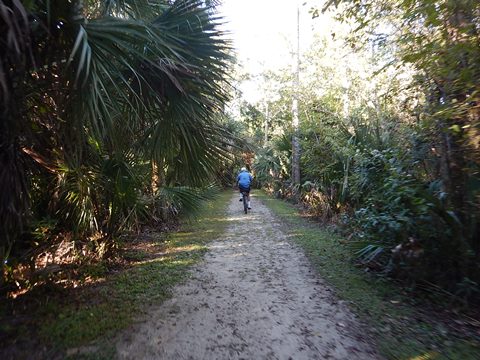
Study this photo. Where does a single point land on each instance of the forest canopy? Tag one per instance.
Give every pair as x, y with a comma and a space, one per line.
110, 118
389, 131
113, 116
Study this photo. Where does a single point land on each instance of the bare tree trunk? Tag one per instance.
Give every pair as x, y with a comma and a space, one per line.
265, 127
155, 178
158, 176
295, 119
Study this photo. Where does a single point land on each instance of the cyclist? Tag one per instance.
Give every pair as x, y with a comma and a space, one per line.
244, 180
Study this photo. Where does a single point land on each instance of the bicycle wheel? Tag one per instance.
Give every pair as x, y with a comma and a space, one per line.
245, 202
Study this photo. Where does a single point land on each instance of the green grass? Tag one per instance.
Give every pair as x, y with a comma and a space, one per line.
394, 324
123, 298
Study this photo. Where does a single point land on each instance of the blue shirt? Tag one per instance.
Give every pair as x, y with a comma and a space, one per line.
244, 179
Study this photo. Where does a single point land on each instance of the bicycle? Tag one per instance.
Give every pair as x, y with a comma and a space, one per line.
245, 201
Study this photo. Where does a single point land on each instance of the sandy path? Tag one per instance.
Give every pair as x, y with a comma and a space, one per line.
254, 297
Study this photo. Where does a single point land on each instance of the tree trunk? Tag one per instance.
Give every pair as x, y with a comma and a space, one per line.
295, 118
158, 176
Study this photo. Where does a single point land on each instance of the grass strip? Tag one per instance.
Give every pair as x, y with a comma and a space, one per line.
395, 325
124, 297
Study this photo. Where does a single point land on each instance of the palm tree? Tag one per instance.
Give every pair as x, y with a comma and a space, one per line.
93, 92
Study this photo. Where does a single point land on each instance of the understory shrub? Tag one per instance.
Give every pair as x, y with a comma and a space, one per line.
405, 228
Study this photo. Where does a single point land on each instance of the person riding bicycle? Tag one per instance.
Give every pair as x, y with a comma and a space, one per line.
244, 180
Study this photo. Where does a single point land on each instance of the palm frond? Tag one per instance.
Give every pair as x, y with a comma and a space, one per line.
133, 9
14, 43
101, 91
185, 200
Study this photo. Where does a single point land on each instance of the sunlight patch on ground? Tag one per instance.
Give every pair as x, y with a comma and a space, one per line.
151, 261
182, 262
244, 217
182, 234
226, 219
188, 248
428, 356
238, 218
222, 246
162, 256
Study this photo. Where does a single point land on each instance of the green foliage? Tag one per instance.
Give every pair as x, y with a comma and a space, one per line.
418, 233
104, 103
271, 165
92, 317
416, 198
389, 137
399, 329
175, 200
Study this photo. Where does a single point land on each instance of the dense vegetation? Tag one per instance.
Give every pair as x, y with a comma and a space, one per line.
110, 118
390, 120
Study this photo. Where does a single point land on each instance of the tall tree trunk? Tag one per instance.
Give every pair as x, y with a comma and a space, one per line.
265, 127
158, 176
295, 118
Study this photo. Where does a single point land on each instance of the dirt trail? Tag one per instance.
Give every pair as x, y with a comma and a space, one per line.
254, 296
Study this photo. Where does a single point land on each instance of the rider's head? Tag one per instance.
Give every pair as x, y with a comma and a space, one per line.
243, 169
